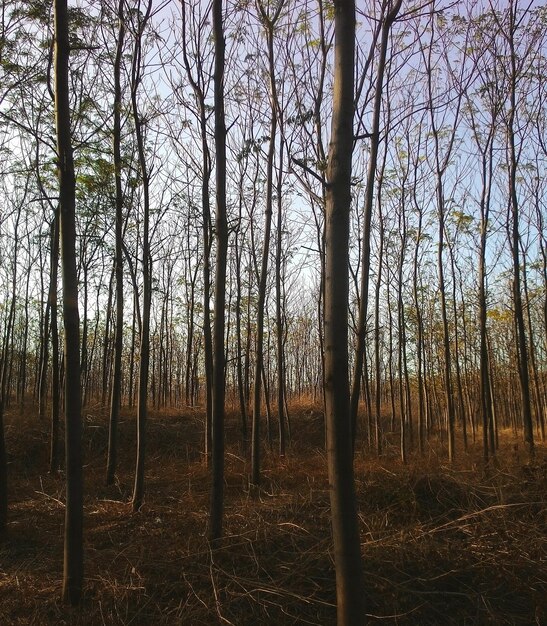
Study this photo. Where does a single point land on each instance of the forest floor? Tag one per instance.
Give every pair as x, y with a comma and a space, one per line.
442, 544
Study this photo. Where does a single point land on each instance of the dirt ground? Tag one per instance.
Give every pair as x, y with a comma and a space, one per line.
442, 544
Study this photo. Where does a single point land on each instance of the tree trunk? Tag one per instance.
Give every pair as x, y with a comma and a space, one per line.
369, 202
345, 529
197, 86
73, 548
269, 24
115, 398
218, 387
279, 325
513, 227
3, 474
377, 336
54, 460
144, 361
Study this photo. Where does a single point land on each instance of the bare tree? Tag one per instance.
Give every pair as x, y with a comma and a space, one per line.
345, 529
509, 30
73, 551
269, 23
391, 11
118, 259
146, 261
221, 224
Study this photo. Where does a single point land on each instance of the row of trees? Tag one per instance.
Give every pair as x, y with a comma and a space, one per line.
174, 104
432, 199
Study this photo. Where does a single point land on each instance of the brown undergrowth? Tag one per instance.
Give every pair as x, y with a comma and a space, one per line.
441, 544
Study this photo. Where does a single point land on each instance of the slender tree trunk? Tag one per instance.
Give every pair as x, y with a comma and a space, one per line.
390, 350
188, 376
106, 353
116, 393
538, 399
131, 386
6, 360
217, 453
486, 384
144, 361
84, 341
404, 409
44, 358
369, 203
54, 461
513, 227
73, 549
207, 335
460, 405
239, 344
542, 382
440, 166
377, 337
419, 346
22, 378
3, 456
3, 474
345, 529
279, 326
269, 24
197, 86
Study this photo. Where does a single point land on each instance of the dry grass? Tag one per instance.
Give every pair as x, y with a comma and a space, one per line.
441, 544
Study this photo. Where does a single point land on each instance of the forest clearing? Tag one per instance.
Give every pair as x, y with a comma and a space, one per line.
442, 544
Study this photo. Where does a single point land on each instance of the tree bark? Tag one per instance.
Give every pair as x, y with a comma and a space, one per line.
73, 546
269, 24
115, 398
369, 203
514, 238
197, 83
345, 529
217, 422
54, 460
144, 362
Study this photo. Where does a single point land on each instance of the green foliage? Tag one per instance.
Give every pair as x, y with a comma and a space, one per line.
301, 118
35, 10
251, 146
330, 10
461, 220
